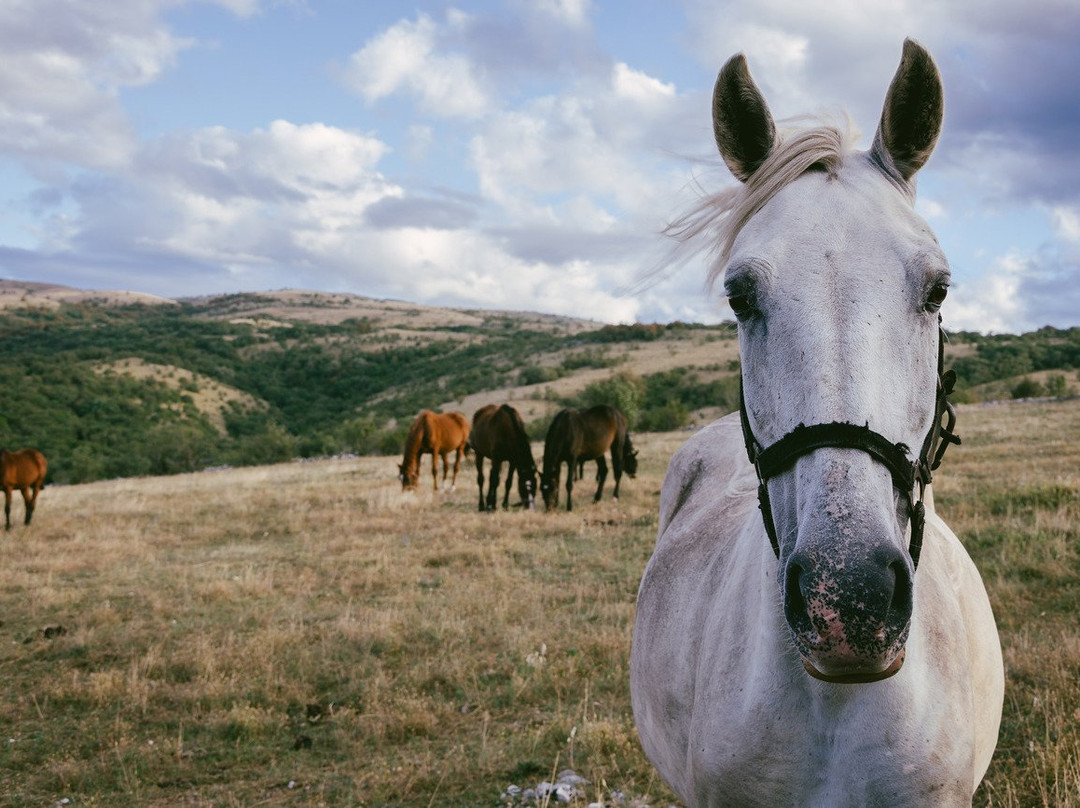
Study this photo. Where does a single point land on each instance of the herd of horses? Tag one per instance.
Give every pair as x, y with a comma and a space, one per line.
498, 434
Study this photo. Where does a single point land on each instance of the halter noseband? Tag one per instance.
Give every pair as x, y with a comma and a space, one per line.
770, 461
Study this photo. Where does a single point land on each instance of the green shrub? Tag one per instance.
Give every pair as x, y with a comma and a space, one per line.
1028, 388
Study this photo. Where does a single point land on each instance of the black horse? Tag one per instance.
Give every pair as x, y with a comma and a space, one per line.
579, 435
499, 433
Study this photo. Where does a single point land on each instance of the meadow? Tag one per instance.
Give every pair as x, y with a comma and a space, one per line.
306, 634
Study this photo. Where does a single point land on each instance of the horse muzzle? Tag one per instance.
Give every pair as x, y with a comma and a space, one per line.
849, 615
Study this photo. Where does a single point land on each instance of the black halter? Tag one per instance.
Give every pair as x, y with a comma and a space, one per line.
770, 461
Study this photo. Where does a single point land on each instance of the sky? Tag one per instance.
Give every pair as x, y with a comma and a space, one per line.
503, 154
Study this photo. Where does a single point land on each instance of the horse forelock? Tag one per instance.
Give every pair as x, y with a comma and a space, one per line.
715, 221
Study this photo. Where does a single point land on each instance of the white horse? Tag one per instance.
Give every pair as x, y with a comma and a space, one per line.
793, 646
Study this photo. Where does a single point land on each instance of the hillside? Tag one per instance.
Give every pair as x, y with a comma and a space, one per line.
115, 384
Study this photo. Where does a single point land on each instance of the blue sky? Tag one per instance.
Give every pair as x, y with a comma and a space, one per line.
505, 154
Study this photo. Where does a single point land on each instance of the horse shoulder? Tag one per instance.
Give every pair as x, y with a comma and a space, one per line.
698, 580
964, 645
712, 457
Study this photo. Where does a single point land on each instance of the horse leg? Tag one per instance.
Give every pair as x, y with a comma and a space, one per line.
7, 508
601, 475
435, 471
616, 466
28, 502
509, 482
493, 485
480, 478
457, 464
570, 483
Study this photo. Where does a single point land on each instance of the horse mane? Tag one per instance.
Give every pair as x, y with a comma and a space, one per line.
714, 222
555, 434
415, 439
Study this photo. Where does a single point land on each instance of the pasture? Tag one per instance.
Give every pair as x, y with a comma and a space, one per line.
306, 634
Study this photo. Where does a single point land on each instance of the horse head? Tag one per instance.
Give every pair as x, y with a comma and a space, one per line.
409, 476
527, 486
836, 284
549, 489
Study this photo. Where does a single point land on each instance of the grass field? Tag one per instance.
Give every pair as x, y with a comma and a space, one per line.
305, 634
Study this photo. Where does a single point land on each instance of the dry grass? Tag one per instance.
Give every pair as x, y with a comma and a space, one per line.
1012, 493
305, 634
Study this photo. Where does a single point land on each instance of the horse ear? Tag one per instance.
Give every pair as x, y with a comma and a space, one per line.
911, 119
742, 124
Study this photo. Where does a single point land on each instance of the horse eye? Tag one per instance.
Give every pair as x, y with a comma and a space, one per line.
936, 297
741, 305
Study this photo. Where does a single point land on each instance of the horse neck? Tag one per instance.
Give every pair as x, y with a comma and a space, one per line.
414, 444
557, 435
522, 448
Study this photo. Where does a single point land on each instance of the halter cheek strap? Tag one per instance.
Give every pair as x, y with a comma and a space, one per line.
780, 456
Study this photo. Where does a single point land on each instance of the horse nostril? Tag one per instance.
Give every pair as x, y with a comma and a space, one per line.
794, 600
901, 596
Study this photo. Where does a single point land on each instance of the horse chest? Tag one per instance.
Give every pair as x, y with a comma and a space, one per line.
768, 753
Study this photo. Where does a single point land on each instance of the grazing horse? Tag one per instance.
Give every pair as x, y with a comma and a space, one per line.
809, 632
579, 435
499, 433
437, 434
23, 469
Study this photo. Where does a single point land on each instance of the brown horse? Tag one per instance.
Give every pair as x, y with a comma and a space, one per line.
499, 433
578, 435
25, 470
437, 434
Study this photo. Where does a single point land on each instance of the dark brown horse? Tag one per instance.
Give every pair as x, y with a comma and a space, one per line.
499, 433
437, 434
578, 435
25, 470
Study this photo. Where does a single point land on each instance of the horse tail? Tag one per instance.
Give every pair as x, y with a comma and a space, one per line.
466, 432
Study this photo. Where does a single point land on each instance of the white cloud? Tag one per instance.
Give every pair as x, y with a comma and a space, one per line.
639, 87
63, 64
1066, 219
574, 13
990, 303
406, 57
931, 209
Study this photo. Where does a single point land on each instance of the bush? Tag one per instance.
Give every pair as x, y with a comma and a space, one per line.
665, 418
1056, 385
624, 391
1028, 388
537, 374
273, 445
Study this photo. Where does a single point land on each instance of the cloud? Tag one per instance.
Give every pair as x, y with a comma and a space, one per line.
394, 212
62, 67
506, 157
407, 57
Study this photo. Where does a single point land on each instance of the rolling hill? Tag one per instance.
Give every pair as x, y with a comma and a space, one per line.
114, 384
